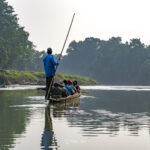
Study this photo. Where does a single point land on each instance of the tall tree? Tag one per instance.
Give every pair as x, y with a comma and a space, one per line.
16, 51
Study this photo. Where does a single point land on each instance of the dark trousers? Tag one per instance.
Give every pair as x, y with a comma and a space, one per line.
49, 82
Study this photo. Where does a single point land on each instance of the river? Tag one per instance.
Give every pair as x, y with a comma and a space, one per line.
105, 117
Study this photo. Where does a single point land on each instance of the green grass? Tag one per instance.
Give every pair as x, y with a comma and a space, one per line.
19, 76
24, 77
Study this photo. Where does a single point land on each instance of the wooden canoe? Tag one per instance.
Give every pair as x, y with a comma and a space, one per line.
70, 97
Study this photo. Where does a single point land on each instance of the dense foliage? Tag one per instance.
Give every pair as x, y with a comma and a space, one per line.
109, 62
16, 51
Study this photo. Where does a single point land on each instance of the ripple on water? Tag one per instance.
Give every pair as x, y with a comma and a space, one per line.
86, 96
20, 87
33, 106
117, 88
101, 121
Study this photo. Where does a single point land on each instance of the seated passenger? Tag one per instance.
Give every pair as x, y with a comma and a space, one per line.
75, 84
69, 88
64, 90
58, 92
70, 84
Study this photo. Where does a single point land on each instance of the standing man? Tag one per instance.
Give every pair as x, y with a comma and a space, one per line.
49, 67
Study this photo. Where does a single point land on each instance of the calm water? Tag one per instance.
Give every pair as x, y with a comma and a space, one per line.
105, 117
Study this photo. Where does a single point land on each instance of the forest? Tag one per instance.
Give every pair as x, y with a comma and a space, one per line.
107, 61
16, 51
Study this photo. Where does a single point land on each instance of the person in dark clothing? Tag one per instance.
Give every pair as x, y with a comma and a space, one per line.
49, 67
59, 91
75, 84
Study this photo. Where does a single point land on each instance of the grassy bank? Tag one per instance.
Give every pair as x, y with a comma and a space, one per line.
8, 77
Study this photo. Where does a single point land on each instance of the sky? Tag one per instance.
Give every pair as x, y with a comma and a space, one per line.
47, 21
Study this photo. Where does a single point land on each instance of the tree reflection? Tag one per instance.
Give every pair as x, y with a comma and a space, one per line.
109, 113
13, 120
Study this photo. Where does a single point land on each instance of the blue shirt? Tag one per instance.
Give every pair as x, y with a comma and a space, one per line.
69, 89
49, 65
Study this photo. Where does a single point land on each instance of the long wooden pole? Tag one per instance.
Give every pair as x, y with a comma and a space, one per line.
66, 37
60, 55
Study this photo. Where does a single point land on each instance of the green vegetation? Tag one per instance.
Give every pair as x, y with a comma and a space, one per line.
109, 62
16, 51
24, 77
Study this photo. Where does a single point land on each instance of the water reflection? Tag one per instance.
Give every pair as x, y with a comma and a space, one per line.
98, 114
112, 111
108, 113
12, 120
105, 122
58, 110
65, 109
16, 111
48, 138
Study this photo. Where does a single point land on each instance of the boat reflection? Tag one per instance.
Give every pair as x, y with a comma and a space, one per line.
65, 108
49, 141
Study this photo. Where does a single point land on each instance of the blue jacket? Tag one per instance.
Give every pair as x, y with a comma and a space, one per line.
69, 89
49, 65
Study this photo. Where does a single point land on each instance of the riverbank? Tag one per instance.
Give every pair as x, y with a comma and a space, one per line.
10, 77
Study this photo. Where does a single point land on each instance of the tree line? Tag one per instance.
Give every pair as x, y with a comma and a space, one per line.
109, 61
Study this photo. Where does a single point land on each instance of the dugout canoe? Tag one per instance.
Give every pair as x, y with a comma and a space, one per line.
61, 99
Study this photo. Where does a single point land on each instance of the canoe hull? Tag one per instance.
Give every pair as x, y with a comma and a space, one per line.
76, 95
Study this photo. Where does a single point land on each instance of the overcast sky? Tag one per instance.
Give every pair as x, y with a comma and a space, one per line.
48, 21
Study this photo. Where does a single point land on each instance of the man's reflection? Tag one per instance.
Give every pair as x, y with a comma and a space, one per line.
59, 110
48, 140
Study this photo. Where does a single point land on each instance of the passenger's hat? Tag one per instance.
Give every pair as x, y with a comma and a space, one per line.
69, 81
